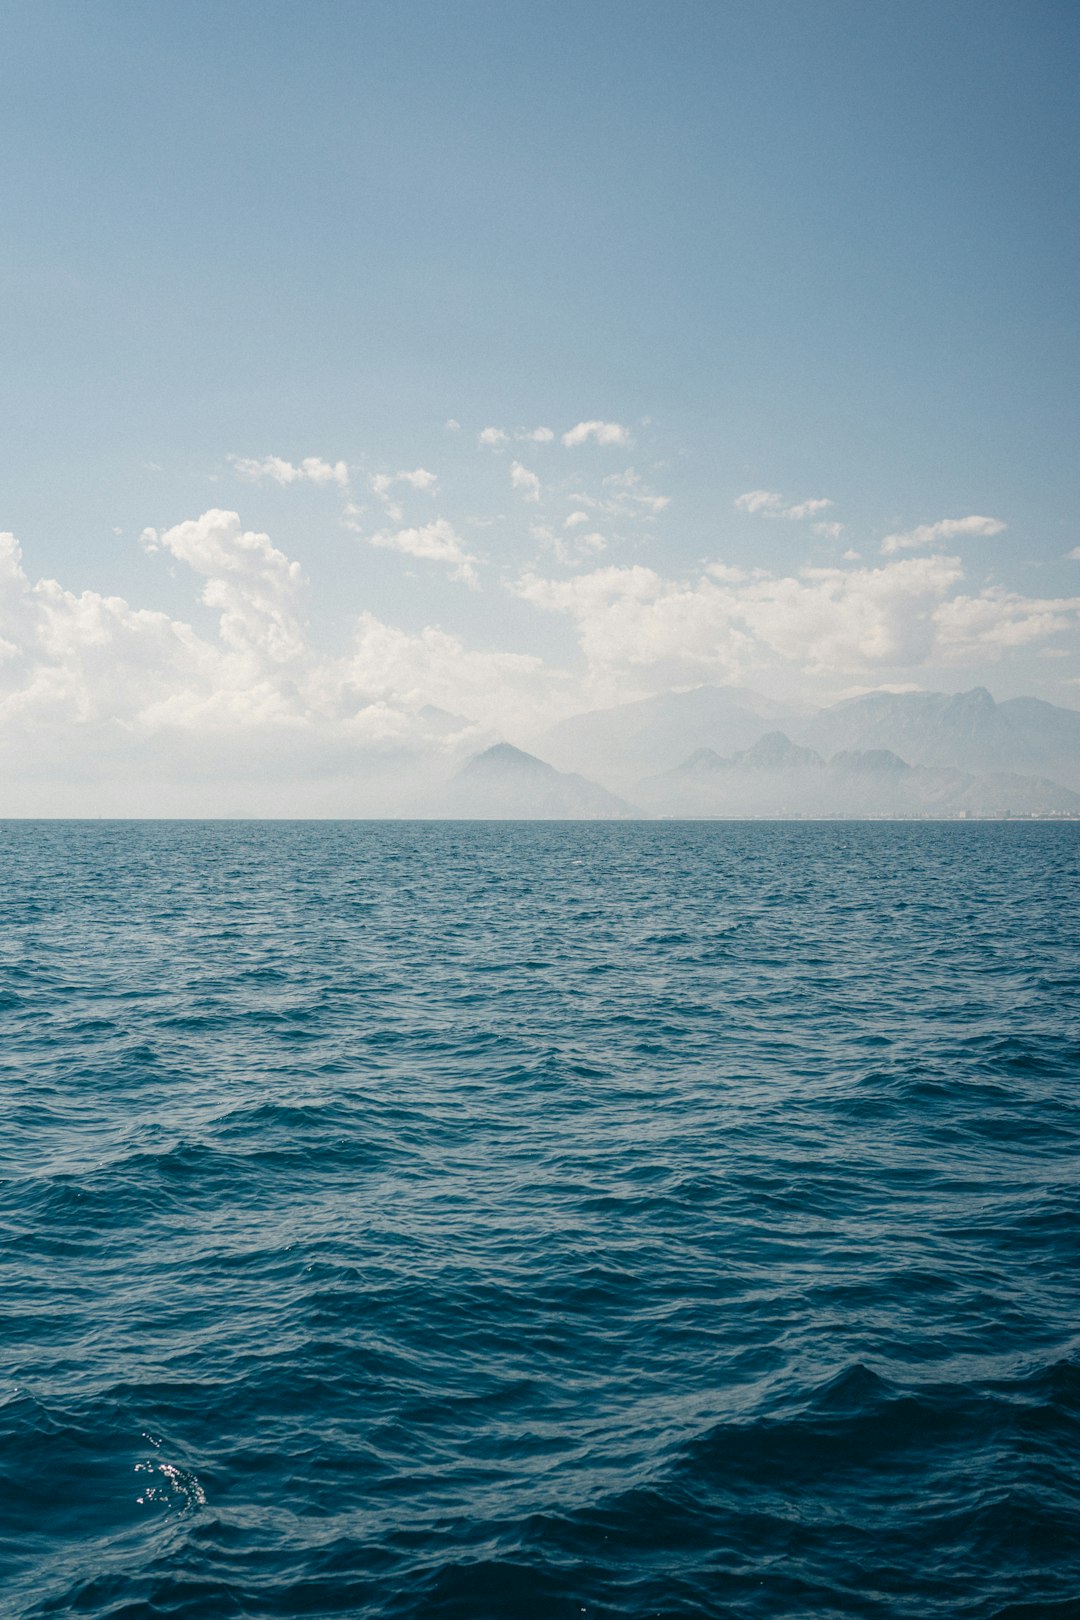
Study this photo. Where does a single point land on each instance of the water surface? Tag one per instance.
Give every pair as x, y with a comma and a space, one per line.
537, 1220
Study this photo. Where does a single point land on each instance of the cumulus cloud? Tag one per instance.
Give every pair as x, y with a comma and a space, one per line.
823, 620
434, 667
829, 531
95, 691
540, 435
492, 437
598, 432
525, 481
91, 684
575, 519
433, 542
996, 620
928, 534
312, 470
254, 587
73, 660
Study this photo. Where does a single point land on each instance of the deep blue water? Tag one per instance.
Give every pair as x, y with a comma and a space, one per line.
497, 1221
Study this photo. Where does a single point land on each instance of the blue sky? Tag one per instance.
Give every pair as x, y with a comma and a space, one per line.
824, 251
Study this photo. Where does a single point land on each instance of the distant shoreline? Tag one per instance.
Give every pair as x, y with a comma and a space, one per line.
538, 821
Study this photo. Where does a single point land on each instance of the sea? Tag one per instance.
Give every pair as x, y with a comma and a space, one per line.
536, 1221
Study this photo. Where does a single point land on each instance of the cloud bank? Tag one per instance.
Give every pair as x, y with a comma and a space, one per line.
727, 623
93, 688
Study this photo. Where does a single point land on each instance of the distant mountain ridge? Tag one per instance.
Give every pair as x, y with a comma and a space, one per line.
777, 777
631, 740
883, 754
969, 730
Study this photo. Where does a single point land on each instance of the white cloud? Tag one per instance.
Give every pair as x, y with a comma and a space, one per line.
599, 432
419, 478
383, 483
74, 660
90, 685
1073, 555
105, 708
452, 425
770, 503
526, 481
626, 499
806, 509
540, 435
759, 500
628, 494
253, 585
436, 667
573, 549
492, 436
434, 542
90, 682
927, 534
996, 620
823, 620
312, 470
829, 531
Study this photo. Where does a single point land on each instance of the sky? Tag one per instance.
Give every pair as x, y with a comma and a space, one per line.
510, 360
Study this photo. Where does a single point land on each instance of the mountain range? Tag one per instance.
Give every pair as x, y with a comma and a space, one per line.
720, 751
777, 777
622, 744
969, 730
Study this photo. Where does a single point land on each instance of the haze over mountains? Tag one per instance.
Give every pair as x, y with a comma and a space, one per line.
504, 783
779, 778
718, 751
632, 740
968, 729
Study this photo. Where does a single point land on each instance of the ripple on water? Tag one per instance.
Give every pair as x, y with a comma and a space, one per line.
482, 1222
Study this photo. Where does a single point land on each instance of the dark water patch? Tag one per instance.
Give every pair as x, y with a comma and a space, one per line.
475, 1221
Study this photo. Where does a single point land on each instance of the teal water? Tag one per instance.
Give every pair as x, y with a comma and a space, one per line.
536, 1220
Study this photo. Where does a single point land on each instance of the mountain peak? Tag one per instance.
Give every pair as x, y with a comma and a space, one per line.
505, 783
977, 698
777, 751
969, 730
504, 756
704, 759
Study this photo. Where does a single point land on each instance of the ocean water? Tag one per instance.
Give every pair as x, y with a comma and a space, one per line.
533, 1220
